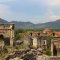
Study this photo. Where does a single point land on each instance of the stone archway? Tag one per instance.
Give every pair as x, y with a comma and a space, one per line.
1, 41
1, 36
7, 31
6, 40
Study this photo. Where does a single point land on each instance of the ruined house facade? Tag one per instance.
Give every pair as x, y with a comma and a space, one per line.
36, 40
41, 40
7, 32
55, 46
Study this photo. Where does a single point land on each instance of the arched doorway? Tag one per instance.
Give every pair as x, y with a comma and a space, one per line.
1, 36
1, 42
5, 39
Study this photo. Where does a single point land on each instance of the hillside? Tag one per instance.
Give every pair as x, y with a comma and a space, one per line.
29, 25
24, 25
3, 21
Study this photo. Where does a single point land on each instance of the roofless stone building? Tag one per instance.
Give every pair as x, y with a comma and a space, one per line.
7, 32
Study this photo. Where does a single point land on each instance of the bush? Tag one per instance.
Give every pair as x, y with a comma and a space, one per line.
48, 52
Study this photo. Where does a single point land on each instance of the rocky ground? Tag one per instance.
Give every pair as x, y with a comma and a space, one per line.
30, 54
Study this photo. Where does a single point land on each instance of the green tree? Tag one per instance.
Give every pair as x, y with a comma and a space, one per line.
17, 31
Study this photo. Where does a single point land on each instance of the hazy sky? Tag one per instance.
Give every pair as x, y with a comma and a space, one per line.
36, 11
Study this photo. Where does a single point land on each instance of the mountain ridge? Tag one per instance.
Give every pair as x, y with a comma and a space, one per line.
30, 25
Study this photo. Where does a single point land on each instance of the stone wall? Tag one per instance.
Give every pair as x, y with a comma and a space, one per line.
7, 30
55, 45
54, 58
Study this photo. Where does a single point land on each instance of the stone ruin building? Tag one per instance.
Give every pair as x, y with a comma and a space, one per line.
40, 40
7, 33
36, 40
55, 46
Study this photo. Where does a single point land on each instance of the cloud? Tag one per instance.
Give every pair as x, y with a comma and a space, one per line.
53, 2
49, 2
53, 16
50, 16
6, 1
9, 14
5, 11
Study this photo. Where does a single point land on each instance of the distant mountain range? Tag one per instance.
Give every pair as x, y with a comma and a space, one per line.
29, 25
3, 21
